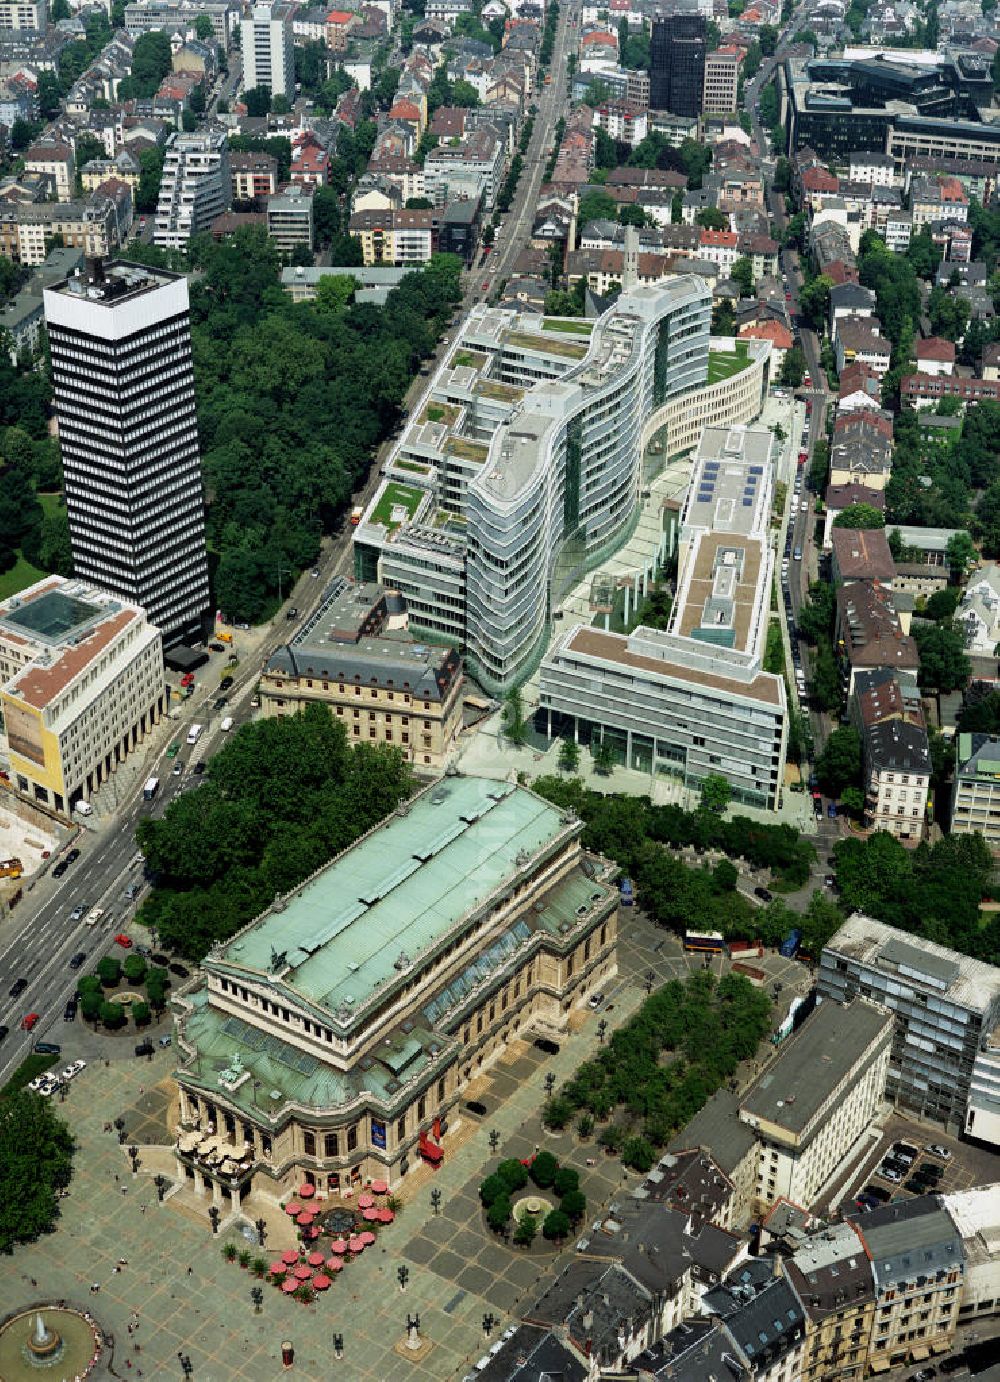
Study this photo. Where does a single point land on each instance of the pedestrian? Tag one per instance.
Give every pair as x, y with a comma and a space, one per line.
95, 1286
116, 1178
190, 1271
142, 1209
33, 1281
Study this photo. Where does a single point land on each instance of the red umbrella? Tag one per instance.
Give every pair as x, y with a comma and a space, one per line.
306, 1191
292, 1208
367, 1238
365, 1201
338, 1245
334, 1264
278, 1268
304, 1220
291, 1256
315, 1259
385, 1216
356, 1244
321, 1282
371, 1215
302, 1272
289, 1286
380, 1187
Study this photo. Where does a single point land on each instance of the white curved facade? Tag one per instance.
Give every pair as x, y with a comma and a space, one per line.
561, 484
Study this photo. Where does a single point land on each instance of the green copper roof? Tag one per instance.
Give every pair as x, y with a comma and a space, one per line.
383, 903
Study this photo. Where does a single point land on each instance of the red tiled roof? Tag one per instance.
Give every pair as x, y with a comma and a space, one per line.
936, 348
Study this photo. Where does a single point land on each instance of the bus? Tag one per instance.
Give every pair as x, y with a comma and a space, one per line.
626, 893
151, 788
705, 942
790, 945
194, 734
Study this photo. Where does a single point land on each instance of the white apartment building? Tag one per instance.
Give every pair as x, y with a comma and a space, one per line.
268, 49
290, 218
976, 1215
975, 802
81, 683
24, 14
196, 186
944, 1004
120, 345
722, 76
879, 170
982, 1113
897, 775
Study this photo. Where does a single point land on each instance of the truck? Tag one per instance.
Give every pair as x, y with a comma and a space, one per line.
11, 868
151, 788
227, 724
356, 513
790, 945
194, 734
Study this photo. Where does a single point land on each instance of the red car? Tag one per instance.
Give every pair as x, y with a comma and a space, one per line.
123, 940
187, 679
28, 1021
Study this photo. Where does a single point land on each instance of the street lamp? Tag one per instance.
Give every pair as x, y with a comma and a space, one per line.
494, 1140
338, 1345
489, 1321
187, 1367
436, 1200
261, 1226
214, 1217
650, 980
550, 1083
602, 1030
161, 1187
402, 1276
257, 1296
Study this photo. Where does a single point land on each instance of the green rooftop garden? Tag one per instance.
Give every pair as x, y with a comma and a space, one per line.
577, 328
466, 448
440, 412
526, 340
470, 359
417, 467
396, 495
724, 363
506, 393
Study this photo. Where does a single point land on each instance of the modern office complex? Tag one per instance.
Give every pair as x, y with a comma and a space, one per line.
172, 16
81, 684
196, 186
521, 467
268, 54
677, 63
975, 804
944, 1005
120, 344
897, 106
331, 1039
694, 700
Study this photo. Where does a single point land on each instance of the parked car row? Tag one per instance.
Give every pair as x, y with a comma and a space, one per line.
899, 1169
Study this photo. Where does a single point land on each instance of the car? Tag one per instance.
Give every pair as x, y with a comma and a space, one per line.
474, 1106
804, 506
924, 1375
831, 810
72, 856
595, 1000
225, 683
876, 1192
763, 894
72, 1070
935, 1149
69, 1012
293, 613
79, 911
797, 554
217, 647
220, 703
37, 1083
145, 1048
48, 1048
547, 1045
916, 1186
78, 959
60, 869
178, 767
179, 970
817, 806
486, 284
132, 892
198, 768
162, 960
17, 988
166, 1041
888, 1173
124, 941
315, 573
903, 1155
928, 1171
144, 951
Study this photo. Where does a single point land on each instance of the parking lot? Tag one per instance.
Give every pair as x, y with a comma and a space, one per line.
965, 1166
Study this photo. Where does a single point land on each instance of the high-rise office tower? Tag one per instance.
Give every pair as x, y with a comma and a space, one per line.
196, 186
120, 343
268, 54
677, 63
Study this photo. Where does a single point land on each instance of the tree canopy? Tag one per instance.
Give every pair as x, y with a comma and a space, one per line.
278, 801
36, 1161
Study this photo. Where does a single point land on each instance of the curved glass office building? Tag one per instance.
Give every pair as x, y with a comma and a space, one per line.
561, 484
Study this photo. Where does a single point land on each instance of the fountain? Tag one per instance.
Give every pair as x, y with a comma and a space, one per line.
61, 1339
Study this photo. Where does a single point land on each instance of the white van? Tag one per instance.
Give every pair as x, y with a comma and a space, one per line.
227, 724
194, 734
83, 808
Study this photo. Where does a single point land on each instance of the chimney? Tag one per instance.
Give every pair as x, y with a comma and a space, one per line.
630, 268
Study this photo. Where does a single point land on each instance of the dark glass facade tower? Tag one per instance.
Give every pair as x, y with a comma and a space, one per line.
677, 64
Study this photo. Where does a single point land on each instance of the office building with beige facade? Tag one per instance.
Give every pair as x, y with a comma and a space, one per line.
81, 684
331, 1039
832, 1277
354, 656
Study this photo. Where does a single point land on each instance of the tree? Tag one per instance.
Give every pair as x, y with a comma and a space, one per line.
498, 1214
150, 173
544, 1169
134, 968
605, 150
574, 1204
596, 206
464, 94
151, 59
514, 725
948, 312
793, 367
814, 301
961, 553
943, 663
860, 516
203, 27
569, 755
513, 1175
943, 603
36, 1162
716, 794
826, 684
257, 100
603, 756
567, 1178
113, 1015
140, 1014
852, 799
638, 1154
712, 219
109, 971
839, 765
556, 1225
526, 1230
768, 39
742, 274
